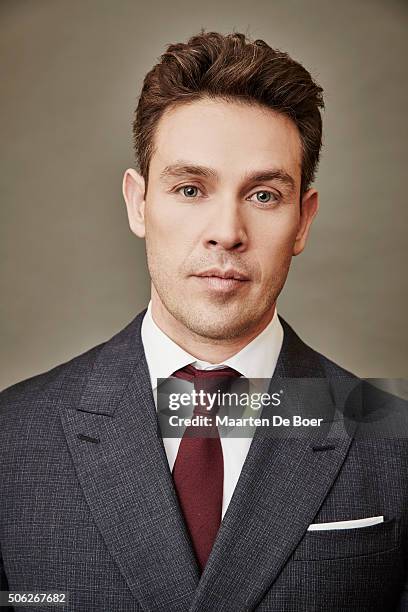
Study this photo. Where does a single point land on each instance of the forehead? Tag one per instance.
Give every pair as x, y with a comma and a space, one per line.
229, 136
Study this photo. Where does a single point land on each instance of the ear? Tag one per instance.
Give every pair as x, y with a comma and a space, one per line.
308, 210
133, 188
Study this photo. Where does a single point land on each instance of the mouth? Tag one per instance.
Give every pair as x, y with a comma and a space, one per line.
228, 273
222, 280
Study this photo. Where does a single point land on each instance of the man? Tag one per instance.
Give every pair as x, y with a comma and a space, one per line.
94, 502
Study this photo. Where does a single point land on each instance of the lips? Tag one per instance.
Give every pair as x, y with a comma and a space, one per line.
229, 273
220, 281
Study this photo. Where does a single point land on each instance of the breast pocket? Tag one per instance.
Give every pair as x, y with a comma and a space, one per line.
346, 543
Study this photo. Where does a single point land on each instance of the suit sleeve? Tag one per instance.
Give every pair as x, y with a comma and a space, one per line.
403, 602
3, 582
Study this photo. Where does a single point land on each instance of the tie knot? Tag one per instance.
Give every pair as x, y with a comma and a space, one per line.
189, 372
218, 380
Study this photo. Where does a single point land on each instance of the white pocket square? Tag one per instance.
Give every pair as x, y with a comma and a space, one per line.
354, 524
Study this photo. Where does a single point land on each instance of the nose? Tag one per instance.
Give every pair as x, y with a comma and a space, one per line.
226, 229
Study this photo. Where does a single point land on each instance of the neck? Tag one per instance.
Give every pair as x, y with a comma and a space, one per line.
202, 348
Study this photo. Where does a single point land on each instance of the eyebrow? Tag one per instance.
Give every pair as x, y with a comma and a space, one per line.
185, 169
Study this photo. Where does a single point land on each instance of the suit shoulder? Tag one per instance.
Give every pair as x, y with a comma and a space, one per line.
332, 369
71, 373
305, 360
63, 385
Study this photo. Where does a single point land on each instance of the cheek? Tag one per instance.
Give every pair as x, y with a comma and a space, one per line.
273, 248
161, 229
161, 213
157, 219
277, 236
168, 236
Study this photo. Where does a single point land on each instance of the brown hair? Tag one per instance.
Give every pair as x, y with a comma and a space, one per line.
230, 67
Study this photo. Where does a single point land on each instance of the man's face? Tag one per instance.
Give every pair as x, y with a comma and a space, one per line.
223, 200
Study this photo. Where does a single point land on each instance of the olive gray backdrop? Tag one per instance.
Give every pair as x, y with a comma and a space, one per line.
72, 274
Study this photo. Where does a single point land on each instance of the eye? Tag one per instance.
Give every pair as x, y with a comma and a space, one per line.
265, 197
189, 191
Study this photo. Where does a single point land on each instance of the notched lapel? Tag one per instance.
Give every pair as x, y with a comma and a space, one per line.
126, 479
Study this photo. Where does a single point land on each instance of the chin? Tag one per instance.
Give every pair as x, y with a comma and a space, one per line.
216, 327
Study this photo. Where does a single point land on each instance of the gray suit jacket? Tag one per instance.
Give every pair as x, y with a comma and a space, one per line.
87, 503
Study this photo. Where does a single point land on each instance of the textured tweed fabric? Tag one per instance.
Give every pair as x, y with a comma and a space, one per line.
88, 507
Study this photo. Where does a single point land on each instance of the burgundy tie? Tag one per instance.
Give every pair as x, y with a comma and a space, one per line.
198, 471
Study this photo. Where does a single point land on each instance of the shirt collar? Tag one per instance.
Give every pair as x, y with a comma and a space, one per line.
256, 360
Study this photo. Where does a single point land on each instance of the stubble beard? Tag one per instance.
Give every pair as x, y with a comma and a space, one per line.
226, 318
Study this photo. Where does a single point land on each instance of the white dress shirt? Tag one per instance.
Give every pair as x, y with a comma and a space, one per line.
256, 360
